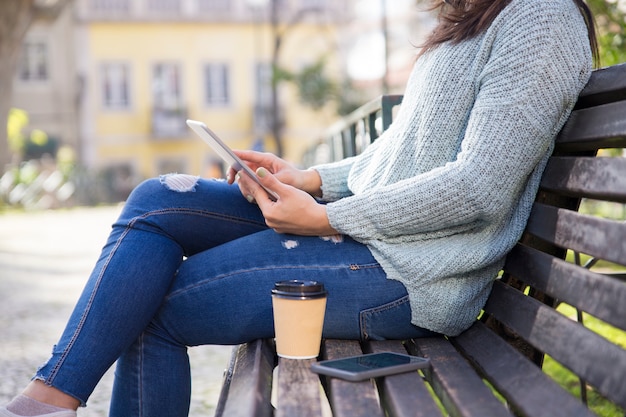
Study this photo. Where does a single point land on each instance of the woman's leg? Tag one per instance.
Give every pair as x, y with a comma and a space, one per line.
223, 296
162, 222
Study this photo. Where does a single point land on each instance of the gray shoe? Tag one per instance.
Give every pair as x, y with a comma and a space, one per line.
65, 413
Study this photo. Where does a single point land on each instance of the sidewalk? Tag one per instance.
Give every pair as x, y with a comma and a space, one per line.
45, 258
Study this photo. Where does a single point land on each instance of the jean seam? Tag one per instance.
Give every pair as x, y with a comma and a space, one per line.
203, 213
370, 311
197, 284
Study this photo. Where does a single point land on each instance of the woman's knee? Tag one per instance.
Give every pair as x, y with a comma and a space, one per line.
158, 190
169, 182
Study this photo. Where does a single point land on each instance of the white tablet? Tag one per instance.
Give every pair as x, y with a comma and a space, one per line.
225, 152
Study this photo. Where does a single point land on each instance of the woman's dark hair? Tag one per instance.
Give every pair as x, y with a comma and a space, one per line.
463, 19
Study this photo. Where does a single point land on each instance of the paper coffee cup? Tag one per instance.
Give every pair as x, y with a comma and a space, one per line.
299, 308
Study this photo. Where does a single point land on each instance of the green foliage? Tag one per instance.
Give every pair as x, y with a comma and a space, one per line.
32, 146
610, 18
16, 123
41, 178
316, 90
314, 87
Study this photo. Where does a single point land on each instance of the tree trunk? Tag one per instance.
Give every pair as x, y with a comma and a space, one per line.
276, 123
15, 19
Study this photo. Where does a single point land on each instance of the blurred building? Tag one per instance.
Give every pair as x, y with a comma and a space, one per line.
148, 65
116, 79
46, 83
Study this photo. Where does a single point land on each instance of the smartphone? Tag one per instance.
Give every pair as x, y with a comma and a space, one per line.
371, 365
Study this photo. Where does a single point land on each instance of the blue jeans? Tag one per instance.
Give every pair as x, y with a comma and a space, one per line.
191, 262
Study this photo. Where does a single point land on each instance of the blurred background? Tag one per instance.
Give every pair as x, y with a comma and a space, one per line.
95, 93
101, 89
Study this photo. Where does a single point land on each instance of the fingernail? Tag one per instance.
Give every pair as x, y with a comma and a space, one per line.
250, 198
261, 172
237, 177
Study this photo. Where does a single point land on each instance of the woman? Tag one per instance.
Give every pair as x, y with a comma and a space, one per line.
407, 237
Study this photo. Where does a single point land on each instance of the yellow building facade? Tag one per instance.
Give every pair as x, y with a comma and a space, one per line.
144, 72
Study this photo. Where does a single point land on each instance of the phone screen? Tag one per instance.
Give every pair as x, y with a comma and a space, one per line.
371, 365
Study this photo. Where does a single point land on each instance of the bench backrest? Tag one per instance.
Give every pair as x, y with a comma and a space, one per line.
572, 257
566, 256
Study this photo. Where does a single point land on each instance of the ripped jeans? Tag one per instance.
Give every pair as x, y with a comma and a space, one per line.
191, 262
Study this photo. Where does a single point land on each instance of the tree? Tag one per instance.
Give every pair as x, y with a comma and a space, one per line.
610, 17
16, 17
314, 87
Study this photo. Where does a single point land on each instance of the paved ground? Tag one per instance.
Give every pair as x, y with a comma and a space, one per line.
44, 259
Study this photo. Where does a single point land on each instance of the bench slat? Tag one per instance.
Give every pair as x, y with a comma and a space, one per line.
605, 85
298, 389
350, 399
593, 236
603, 296
597, 178
519, 380
247, 387
404, 394
594, 128
598, 361
459, 388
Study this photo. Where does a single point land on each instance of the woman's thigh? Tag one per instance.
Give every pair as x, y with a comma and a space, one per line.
223, 295
196, 213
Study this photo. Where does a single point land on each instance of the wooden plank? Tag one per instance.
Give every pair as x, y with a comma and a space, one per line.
228, 377
522, 383
350, 399
601, 295
594, 128
404, 394
605, 85
595, 359
247, 387
597, 178
602, 238
298, 389
459, 388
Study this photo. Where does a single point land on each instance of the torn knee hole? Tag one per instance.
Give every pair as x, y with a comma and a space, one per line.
179, 182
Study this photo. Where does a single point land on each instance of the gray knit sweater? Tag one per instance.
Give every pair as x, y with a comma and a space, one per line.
445, 192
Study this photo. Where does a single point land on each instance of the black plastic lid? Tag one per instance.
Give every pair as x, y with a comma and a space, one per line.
299, 289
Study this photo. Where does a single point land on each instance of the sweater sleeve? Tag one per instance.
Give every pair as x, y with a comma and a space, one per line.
538, 62
334, 178
335, 175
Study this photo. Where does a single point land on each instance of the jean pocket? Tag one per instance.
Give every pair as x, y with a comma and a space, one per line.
390, 321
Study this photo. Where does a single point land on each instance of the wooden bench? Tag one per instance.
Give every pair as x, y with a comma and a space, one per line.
495, 367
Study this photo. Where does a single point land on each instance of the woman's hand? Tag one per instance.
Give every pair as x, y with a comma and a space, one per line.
306, 180
294, 212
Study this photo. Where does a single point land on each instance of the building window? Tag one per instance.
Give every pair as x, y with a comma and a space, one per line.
35, 64
109, 5
217, 92
263, 83
169, 112
115, 85
262, 118
172, 164
166, 86
205, 6
164, 6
